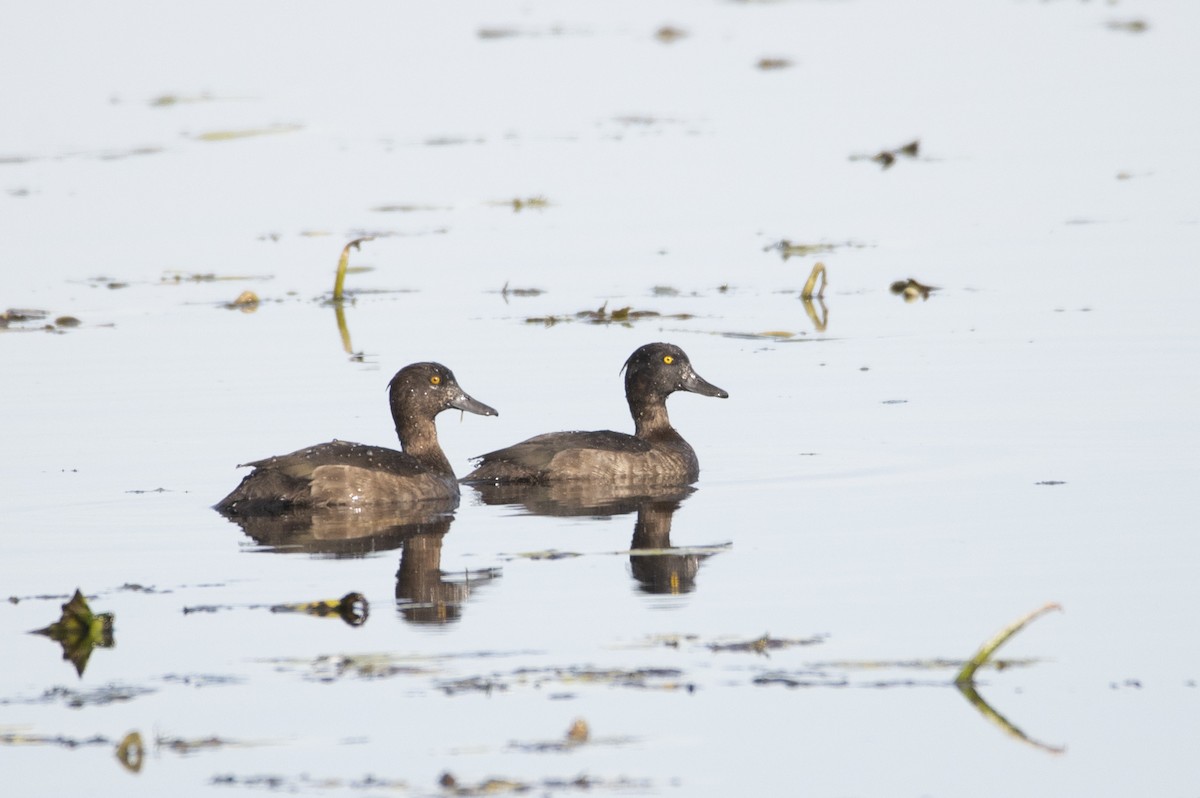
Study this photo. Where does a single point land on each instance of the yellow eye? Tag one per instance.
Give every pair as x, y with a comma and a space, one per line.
668, 359
435, 380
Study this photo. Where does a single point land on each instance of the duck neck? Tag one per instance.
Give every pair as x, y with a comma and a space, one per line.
418, 438
650, 419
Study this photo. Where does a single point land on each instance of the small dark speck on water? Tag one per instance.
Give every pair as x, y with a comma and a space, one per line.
895, 401
1051, 482
864, 368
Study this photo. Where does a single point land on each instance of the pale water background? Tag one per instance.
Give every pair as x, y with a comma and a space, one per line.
878, 480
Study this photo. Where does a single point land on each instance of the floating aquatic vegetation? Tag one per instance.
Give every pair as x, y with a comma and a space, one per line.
177, 277
1128, 25
199, 680
116, 155
766, 644
545, 554
759, 645
491, 33
577, 735
499, 786
79, 630
497, 33
230, 135
668, 679
247, 302
14, 316
886, 158
332, 667
669, 34
409, 208
472, 684
99, 696
29, 320
791, 249
665, 679
351, 608
168, 100
579, 732
506, 292
305, 783
451, 141
182, 745
19, 738
780, 336
519, 204
767, 64
911, 290
642, 120
133, 587
602, 315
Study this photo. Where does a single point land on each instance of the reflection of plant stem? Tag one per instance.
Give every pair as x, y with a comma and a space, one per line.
807, 293
339, 282
819, 322
967, 674
976, 700
340, 310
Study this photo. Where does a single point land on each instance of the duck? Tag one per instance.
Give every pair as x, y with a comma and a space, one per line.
341, 473
655, 454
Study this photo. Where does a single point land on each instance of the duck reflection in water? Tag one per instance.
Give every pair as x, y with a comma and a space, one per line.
655, 568
423, 593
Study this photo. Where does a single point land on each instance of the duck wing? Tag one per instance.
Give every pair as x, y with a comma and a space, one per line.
529, 460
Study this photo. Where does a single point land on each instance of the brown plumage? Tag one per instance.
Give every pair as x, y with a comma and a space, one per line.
341, 473
654, 454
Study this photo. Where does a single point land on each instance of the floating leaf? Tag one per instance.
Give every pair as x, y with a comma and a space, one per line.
910, 289
579, 732
247, 302
79, 630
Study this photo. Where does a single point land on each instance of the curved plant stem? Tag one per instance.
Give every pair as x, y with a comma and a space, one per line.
967, 674
817, 270
339, 282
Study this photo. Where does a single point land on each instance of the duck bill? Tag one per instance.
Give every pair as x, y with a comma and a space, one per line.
468, 403
696, 384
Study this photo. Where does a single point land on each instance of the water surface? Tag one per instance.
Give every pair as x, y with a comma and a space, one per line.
889, 483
